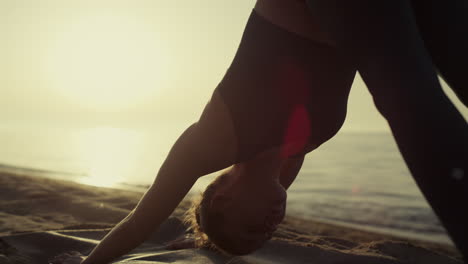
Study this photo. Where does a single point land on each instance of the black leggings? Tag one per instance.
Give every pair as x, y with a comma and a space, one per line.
443, 26
395, 46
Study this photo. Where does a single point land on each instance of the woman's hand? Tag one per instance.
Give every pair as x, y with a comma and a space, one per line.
72, 257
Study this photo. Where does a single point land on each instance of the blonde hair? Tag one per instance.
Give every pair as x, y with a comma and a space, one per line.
209, 233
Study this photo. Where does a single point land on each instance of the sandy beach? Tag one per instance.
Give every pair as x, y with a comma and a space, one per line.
41, 217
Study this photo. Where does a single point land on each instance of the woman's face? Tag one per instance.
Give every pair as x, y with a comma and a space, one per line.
252, 213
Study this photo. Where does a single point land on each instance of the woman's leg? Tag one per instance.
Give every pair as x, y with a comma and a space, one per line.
382, 39
444, 28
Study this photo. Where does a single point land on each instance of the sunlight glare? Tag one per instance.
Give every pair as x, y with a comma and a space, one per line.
107, 62
110, 154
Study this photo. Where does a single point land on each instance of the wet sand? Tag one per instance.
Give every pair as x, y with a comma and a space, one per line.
41, 217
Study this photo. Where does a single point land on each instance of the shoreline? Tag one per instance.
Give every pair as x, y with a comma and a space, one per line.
140, 188
38, 204
397, 234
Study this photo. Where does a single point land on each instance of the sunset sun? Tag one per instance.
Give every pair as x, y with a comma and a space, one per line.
107, 62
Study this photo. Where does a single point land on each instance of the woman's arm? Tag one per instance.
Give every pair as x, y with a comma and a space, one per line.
206, 146
155, 206
289, 170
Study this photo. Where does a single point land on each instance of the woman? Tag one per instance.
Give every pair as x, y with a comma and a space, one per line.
392, 58
239, 211
284, 95
394, 45
382, 40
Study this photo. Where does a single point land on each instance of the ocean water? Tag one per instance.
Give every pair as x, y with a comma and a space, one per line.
355, 179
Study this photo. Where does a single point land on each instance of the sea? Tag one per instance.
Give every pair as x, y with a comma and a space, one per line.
356, 179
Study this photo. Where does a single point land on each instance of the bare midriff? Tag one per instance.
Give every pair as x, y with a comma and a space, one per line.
294, 16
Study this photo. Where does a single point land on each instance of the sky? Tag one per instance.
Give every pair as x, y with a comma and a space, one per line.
126, 62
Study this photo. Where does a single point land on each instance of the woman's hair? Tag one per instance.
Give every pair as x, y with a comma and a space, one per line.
208, 234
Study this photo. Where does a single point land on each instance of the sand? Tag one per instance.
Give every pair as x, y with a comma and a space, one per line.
41, 218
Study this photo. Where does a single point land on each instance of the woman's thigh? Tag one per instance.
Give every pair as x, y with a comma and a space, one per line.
401, 41
444, 28
383, 39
